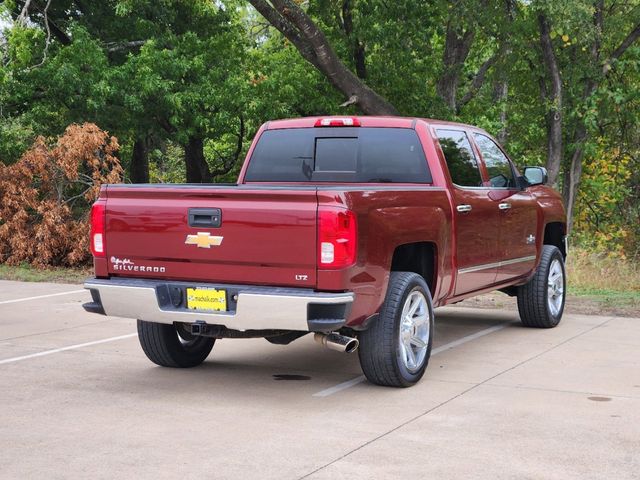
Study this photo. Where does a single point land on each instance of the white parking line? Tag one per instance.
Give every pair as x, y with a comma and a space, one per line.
64, 349
339, 387
40, 296
469, 338
442, 348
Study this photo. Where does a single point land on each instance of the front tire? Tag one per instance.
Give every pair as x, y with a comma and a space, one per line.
172, 345
541, 301
395, 350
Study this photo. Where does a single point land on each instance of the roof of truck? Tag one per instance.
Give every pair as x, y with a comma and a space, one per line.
364, 121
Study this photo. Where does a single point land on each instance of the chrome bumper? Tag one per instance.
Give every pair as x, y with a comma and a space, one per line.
250, 307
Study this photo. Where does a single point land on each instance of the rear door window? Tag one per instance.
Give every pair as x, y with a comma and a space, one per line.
342, 154
461, 161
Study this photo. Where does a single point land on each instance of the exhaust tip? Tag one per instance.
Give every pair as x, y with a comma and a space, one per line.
335, 341
352, 346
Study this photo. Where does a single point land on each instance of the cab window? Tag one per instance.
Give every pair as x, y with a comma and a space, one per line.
339, 154
498, 165
460, 158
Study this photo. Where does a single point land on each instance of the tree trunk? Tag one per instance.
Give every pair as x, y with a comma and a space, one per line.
139, 167
554, 99
500, 92
573, 176
359, 55
293, 22
197, 167
456, 50
360, 59
351, 86
447, 88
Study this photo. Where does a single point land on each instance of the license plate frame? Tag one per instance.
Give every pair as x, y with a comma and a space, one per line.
206, 299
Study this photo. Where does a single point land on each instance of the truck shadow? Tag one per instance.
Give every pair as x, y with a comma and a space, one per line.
256, 367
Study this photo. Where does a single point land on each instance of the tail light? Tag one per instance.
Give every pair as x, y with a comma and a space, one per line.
337, 237
338, 122
98, 214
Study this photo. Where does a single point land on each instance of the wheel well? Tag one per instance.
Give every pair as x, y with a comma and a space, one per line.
419, 258
554, 235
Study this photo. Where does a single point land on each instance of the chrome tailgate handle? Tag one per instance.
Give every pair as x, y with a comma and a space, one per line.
504, 206
205, 217
463, 208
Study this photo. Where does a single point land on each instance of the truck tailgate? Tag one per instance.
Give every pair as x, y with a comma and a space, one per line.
266, 236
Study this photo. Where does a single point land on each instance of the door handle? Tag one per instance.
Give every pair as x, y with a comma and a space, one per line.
463, 208
205, 217
504, 206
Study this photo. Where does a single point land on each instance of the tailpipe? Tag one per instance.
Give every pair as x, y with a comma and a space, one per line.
335, 341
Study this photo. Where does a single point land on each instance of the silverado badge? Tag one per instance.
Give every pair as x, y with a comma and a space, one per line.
203, 240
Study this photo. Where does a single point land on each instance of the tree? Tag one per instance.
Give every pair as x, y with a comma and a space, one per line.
294, 23
184, 84
44, 197
151, 72
594, 68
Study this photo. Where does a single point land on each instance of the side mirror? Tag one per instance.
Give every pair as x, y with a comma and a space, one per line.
535, 175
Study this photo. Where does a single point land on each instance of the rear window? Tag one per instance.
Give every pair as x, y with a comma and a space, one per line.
340, 154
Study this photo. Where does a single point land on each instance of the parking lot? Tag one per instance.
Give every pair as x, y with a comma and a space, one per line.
80, 400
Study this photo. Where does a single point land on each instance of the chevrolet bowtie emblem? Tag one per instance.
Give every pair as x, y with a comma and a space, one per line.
203, 240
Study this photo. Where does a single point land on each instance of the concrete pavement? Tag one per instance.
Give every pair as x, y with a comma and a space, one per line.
80, 399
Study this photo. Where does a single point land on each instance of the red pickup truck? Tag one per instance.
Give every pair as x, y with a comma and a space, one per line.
354, 228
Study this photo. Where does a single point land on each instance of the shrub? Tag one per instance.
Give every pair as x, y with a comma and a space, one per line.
45, 197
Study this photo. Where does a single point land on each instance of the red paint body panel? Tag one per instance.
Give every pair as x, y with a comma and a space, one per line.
269, 237
387, 218
269, 230
476, 238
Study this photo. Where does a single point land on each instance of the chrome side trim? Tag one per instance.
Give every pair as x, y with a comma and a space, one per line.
255, 310
518, 260
477, 268
486, 266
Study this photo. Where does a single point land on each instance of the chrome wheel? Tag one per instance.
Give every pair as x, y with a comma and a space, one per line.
414, 331
555, 287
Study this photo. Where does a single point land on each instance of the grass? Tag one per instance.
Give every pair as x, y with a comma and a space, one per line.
592, 272
611, 282
27, 273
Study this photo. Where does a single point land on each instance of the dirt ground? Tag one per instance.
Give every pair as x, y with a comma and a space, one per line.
583, 305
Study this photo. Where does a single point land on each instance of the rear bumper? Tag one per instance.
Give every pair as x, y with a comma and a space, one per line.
250, 307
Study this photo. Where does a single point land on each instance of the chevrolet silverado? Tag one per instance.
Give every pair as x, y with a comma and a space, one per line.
353, 228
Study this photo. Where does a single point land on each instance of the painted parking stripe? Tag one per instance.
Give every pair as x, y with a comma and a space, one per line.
64, 349
442, 348
469, 338
4, 302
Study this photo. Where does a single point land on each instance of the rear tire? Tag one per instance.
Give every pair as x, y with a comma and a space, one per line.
395, 350
172, 346
541, 301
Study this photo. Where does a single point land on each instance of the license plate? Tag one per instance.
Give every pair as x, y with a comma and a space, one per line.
207, 299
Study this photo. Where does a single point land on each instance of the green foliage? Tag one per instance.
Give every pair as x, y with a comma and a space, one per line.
608, 219
164, 72
167, 164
